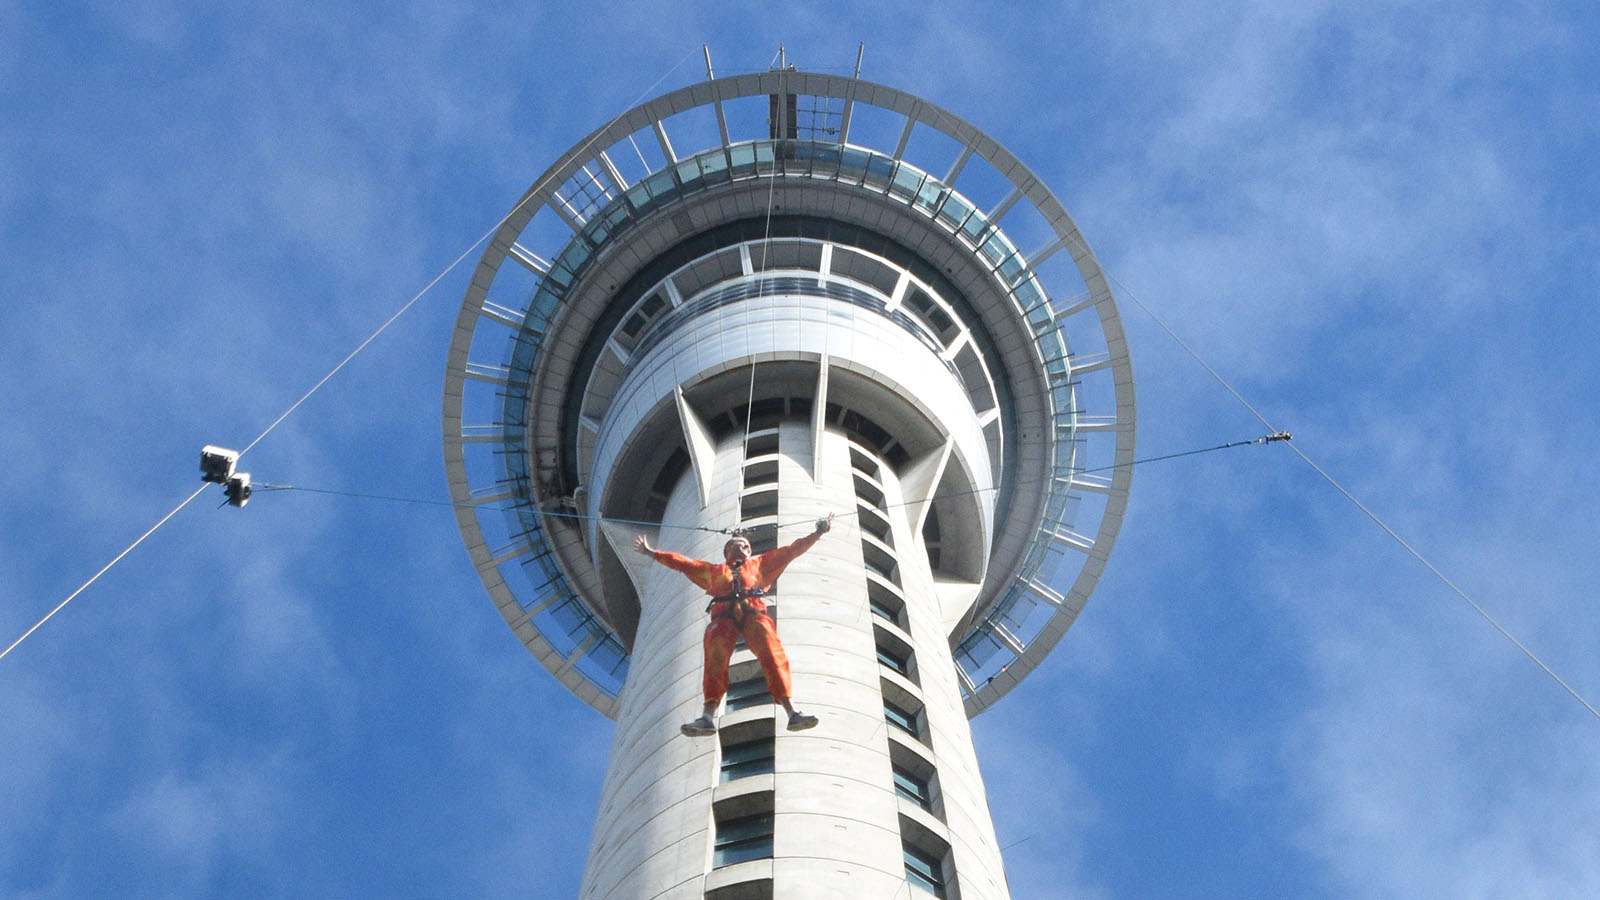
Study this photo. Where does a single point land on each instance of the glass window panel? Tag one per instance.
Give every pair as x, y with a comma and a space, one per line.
882, 610
913, 788
747, 693
689, 174
738, 840
750, 758
660, 184
996, 248
638, 196
826, 157
973, 227
880, 172
929, 195
906, 181
1012, 268
874, 524
855, 160
714, 166
901, 718
742, 157
955, 211
924, 871
978, 649
893, 661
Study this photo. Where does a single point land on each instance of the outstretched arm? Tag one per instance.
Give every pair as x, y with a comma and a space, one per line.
699, 571
780, 557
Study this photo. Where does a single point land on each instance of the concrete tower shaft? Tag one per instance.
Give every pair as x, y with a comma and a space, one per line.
751, 302
826, 813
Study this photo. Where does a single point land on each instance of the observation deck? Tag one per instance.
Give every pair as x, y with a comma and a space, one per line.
854, 206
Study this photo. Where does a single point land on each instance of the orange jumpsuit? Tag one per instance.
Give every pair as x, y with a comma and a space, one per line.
729, 620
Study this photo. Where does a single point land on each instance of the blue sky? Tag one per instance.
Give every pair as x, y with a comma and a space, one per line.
1377, 219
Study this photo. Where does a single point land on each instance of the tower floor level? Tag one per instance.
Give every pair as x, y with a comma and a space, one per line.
749, 303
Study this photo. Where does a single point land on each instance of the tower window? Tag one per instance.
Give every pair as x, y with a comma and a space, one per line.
894, 654
759, 504
927, 858
748, 692
912, 787
761, 444
873, 522
924, 871
903, 709
893, 661
914, 777
881, 562
748, 758
759, 473
904, 719
863, 463
885, 604
869, 493
741, 839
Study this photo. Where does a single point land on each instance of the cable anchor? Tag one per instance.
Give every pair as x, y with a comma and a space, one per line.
1274, 437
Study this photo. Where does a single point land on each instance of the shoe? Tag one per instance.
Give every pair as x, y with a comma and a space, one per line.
799, 721
704, 727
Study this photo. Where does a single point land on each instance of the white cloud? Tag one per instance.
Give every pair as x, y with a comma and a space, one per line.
1042, 808
190, 821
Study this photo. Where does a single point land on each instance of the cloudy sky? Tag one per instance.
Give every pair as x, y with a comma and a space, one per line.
1378, 220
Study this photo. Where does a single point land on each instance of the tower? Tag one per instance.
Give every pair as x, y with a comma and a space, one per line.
750, 302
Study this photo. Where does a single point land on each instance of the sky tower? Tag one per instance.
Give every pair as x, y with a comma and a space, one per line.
745, 304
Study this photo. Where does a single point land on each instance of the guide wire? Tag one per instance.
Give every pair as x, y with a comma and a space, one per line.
532, 192
261, 488
1264, 439
555, 514
1449, 584
761, 290
1367, 511
104, 569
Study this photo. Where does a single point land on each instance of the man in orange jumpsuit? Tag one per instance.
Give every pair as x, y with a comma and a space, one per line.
736, 588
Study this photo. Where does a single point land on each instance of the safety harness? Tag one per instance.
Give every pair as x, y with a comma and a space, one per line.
737, 607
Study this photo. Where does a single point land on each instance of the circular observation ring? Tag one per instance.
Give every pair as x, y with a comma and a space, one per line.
528, 293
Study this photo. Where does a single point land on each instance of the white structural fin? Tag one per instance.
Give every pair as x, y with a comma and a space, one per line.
702, 447
955, 600
920, 480
636, 564
819, 414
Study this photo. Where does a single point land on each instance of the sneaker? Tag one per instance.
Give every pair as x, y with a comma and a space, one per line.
799, 721
704, 727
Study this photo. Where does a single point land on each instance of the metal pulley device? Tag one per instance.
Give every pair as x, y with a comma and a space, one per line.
217, 467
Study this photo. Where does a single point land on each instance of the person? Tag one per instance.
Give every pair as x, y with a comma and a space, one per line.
736, 587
